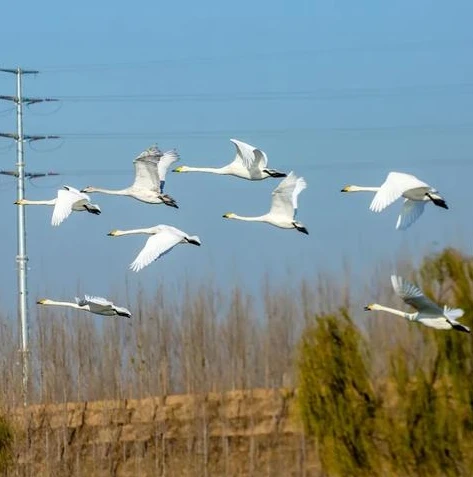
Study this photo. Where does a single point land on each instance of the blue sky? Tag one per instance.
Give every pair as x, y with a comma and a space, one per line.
383, 87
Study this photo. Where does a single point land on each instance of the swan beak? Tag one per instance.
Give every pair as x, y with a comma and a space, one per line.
178, 169
112, 233
41, 302
368, 307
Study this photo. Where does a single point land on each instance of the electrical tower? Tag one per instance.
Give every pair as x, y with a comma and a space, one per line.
20, 174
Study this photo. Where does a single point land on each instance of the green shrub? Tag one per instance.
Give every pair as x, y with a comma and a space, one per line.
336, 399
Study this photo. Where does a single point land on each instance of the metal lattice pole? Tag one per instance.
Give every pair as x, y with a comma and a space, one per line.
22, 257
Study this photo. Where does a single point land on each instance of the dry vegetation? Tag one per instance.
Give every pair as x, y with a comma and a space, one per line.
377, 395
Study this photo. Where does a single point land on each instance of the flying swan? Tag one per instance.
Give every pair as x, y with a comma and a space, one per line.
68, 199
92, 304
163, 239
428, 313
250, 163
151, 167
397, 184
283, 205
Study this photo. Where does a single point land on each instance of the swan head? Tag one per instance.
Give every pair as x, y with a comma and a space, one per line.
349, 188
88, 189
229, 215
114, 233
371, 307
181, 169
300, 228
43, 301
20, 202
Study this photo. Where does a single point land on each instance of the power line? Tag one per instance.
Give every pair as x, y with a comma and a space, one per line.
196, 134
405, 46
320, 94
359, 164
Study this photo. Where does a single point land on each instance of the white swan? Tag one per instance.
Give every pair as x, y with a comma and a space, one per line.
283, 205
151, 167
67, 200
92, 304
416, 194
250, 163
163, 239
428, 313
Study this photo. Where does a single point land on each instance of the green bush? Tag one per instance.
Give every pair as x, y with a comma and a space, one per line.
336, 399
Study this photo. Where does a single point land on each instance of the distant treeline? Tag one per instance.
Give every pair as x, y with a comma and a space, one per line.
379, 395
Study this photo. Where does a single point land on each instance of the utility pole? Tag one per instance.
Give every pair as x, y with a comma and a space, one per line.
22, 257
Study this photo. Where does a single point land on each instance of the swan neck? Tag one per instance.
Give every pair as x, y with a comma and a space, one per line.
108, 191
133, 231
211, 170
62, 303
261, 218
38, 202
355, 188
393, 311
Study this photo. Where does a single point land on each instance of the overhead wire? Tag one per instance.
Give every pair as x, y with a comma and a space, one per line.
35, 112
196, 134
404, 46
319, 94
33, 145
363, 164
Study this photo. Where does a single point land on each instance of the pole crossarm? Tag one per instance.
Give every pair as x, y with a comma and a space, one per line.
31, 175
32, 138
29, 137
9, 98
39, 100
19, 71
28, 101
10, 136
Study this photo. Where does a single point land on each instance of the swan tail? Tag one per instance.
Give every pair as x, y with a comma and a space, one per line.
93, 209
168, 200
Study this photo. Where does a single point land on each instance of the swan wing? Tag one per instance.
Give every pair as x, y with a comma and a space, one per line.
283, 197
413, 296
245, 155
261, 159
98, 304
98, 300
164, 163
146, 174
156, 246
63, 207
453, 313
77, 192
301, 184
152, 152
394, 186
80, 301
411, 211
